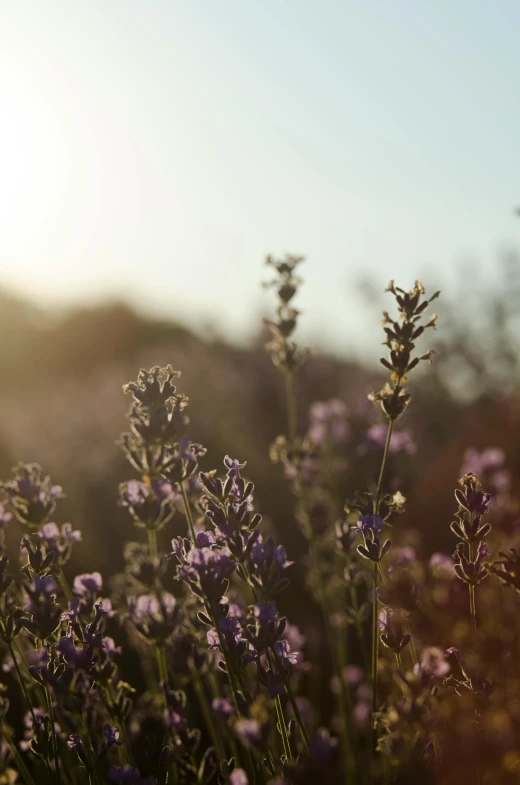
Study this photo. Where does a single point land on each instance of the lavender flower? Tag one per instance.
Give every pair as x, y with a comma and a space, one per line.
31, 495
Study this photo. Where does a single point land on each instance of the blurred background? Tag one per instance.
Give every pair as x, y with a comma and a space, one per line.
151, 154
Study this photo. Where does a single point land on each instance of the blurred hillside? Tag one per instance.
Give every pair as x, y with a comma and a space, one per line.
62, 405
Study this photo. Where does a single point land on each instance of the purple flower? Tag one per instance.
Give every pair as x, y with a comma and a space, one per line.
75, 742
222, 708
294, 637
155, 616
88, 583
442, 565
369, 522
249, 731
400, 442
205, 539
60, 541
238, 777
322, 745
45, 585
353, 675
267, 563
206, 571
233, 466
32, 496
479, 463
128, 775
362, 713
265, 612
433, 662
237, 610
150, 505
286, 656
231, 633
111, 733
401, 557
78, 657
328, 419
5, 516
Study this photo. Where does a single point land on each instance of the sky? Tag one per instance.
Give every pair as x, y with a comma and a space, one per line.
157, 150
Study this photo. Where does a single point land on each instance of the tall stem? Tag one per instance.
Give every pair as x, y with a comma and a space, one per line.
291, 407
292, 699
283, 728
206, 711
280, 715
161, 664
22, 768
473, 613
64, 586
189, 516
472, 608
54, 737
377, 569
22, 683
375, 639
152, 543
383, 466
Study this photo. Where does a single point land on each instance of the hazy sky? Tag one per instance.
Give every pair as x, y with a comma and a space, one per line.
158, 149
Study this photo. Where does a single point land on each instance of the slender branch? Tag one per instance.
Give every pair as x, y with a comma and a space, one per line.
53, 735
152, 543
22, 683
22, 768
189, 516
383, 466
291, 407
292, 699
206, 711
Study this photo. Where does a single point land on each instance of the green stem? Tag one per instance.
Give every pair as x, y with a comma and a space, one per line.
22, 768
49, 770
206, 711
64, 586
120, 722
375, 639
189, 516
377, 569
472, 605
282, 727
161, 664
54, 737
292, 700
152, 543
472, 608
361, 638
281, 718
383, 467
291, 407
22, 683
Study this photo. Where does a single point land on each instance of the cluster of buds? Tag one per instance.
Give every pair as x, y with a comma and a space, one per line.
469, 528
507, 568
370, 525
400, 339
31, 495
393, 635
154, 445
285, 353
90, 758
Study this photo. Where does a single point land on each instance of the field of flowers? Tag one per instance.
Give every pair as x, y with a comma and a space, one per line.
313, 578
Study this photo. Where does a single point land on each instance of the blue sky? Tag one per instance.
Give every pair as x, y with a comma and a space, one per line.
158, 150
